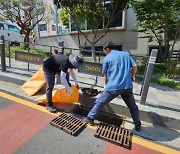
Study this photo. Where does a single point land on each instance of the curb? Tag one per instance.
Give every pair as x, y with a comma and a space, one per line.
157, 117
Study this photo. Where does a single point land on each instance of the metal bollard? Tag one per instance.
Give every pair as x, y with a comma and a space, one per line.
148, 75
2, 51
61, 47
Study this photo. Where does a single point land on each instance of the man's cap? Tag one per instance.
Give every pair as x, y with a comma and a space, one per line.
76, 61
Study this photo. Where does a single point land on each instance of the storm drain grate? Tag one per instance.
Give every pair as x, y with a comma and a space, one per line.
68, 123
114, 134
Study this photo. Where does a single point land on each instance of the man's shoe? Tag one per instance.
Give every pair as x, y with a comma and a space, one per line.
51, 108
89, 121
138, 127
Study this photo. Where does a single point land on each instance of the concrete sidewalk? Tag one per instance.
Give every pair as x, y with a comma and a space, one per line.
162, 104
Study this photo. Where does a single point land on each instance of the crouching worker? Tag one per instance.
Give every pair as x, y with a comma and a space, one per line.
57, 76
63, 64
119, 70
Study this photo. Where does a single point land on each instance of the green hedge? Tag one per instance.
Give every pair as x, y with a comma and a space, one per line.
22, 48
170, 69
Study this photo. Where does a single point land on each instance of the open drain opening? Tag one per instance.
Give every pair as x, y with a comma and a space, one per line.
102, 116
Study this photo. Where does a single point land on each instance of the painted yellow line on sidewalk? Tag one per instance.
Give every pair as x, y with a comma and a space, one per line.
27, 103
149, 144
154, 146
135, 139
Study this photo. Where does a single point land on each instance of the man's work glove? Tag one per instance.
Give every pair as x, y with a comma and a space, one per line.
70, 91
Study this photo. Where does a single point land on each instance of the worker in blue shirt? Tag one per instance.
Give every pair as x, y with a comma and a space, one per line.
119, 71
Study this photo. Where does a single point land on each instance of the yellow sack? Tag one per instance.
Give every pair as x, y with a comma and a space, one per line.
35, 83
62, 96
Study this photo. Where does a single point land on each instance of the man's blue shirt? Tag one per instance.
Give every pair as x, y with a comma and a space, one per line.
117, 65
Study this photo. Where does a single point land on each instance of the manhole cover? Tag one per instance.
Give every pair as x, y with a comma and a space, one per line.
68, 123
114, 134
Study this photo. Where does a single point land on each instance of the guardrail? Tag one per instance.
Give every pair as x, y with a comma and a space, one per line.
89, 67
175, 55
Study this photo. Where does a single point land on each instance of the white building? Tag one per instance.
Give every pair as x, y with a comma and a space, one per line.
121, 34
50, 25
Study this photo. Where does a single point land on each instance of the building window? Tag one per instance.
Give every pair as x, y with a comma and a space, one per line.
1, 26
53, 28
42, 27
98, 48
117, 23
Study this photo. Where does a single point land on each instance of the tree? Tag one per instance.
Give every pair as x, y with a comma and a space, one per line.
24, 13
64, 16
97, 14
1, 18
159, 20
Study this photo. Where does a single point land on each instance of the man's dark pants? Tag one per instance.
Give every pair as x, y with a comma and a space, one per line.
50, 79
107, 96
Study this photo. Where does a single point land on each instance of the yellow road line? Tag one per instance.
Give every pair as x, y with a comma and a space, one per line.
135, 139
27, 103
149, 144
154, 146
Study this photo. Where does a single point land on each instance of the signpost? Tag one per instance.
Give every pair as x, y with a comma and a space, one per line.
91, 68
28, 57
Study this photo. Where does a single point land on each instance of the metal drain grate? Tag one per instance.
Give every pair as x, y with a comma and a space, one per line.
114, 134
68, 123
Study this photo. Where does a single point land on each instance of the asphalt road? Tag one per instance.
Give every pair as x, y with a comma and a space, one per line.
25, 128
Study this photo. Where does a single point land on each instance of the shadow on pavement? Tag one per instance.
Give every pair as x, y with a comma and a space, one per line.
157, 134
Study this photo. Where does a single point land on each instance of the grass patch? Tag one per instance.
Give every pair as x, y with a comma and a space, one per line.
166, 74
41, 52
161, 80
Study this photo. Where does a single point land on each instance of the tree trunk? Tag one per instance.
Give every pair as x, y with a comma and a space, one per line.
160, 54
168, 53
93, 52
166, 42
26, 40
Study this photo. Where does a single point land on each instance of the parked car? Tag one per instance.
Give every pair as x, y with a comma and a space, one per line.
11, 33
